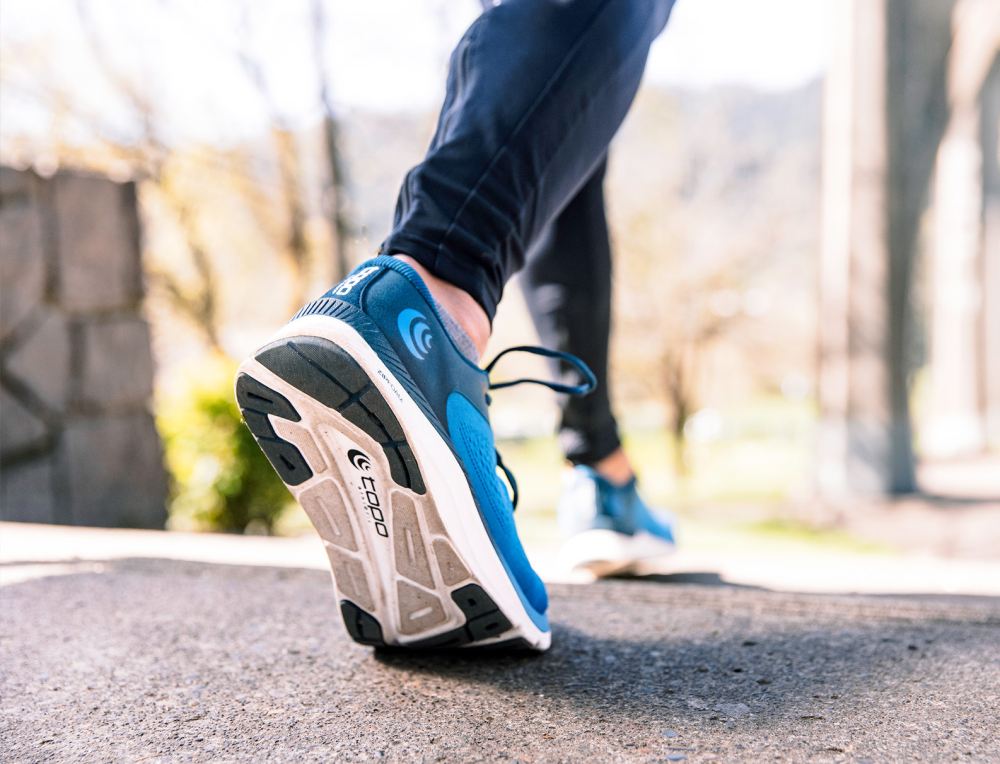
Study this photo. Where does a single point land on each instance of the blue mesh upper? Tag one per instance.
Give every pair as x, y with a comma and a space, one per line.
472, 438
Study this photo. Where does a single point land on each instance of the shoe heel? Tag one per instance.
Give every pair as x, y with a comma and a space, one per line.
335, 440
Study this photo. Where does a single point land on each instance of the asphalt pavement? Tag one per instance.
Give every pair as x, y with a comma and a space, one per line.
164, 660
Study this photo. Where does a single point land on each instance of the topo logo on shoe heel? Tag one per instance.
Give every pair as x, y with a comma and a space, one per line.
369, 493
416, 332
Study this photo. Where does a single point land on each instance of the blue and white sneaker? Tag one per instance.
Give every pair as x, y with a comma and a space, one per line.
608, 528
378, 424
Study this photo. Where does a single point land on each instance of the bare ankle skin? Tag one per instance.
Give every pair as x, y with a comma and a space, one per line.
616, 467
460, 305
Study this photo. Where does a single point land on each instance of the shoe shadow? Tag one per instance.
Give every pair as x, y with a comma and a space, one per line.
639, 659
624, 652
699, 577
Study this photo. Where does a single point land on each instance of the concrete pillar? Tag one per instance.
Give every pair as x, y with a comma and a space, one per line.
884, 116
990, 348
955, 424
77, 442
854, 160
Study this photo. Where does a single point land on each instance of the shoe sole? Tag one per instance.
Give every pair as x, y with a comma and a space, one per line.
603, 553
412, 563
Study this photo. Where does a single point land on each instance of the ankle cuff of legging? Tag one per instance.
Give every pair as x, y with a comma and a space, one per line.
464, 273
588, 448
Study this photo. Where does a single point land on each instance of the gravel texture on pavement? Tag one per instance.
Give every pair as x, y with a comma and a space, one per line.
141, 659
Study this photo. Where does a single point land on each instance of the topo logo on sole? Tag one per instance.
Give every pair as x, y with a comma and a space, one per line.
369, 493
416, 332
359, 461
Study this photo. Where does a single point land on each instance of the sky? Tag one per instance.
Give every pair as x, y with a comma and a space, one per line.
768, 44
382, 55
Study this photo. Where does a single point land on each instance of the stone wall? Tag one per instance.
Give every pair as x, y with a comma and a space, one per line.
77, 440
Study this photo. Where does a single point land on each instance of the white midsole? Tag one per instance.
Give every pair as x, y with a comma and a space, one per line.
605, 552
443, 475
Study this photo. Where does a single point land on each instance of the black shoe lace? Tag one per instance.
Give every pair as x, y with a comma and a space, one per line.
586, 386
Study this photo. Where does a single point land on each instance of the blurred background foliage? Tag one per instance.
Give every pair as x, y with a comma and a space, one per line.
268, 140
220, 479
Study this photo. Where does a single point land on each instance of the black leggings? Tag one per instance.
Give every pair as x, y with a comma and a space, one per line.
536, 91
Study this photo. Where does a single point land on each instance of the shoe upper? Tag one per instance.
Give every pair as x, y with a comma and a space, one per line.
387, 302
591, 502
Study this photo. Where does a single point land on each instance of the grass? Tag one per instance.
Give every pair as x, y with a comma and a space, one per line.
761, 458
799, 533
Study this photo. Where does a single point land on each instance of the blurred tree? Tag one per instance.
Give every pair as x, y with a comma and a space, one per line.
232, 228
678, 311
286, 152
149, 158
715, 244
335, 191
219, 212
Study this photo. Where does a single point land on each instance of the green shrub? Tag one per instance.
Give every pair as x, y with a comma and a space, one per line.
220, 479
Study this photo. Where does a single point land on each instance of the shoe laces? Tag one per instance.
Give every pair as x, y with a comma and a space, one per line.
586, 386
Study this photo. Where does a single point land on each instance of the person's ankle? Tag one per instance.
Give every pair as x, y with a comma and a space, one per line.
459, 304
615, 467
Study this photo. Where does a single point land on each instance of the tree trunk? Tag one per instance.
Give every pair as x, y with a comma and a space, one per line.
335, 191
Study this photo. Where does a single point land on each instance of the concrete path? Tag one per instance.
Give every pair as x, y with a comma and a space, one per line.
736, 560
150, 659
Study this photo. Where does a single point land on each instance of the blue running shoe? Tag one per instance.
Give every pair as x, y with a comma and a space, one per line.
608, 528
378, 424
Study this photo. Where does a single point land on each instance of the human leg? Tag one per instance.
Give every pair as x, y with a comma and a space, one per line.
567, 285
607, 526
366, 404
536, 91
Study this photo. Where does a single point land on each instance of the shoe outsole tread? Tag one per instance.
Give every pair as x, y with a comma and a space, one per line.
324, 372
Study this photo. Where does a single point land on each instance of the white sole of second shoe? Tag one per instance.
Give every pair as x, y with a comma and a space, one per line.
603, 552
